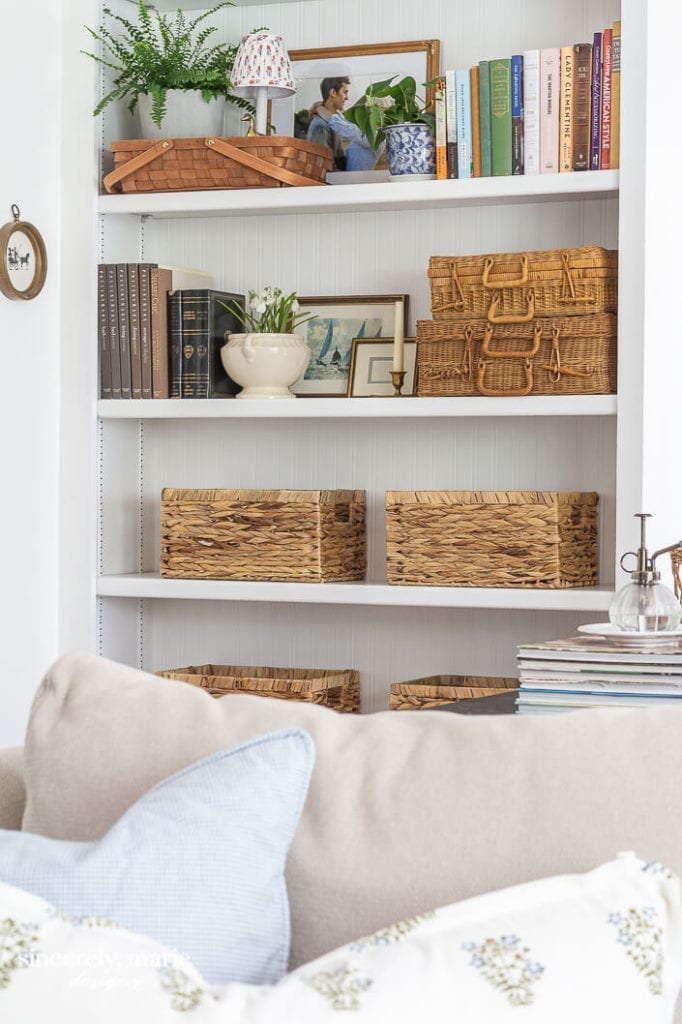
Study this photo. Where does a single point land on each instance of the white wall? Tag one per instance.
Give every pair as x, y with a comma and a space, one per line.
30, 78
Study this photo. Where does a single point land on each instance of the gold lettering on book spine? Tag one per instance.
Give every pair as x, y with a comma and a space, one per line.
500, 90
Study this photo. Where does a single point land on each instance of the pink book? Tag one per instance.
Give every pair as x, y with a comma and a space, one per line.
607, 66
550, 102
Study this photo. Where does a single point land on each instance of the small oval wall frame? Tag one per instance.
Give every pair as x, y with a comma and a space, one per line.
23, 266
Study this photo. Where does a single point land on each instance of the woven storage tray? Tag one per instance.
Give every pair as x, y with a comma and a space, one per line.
432, 691
573, 355
172, 165
509, 287
335, 688
288, 536
492, 538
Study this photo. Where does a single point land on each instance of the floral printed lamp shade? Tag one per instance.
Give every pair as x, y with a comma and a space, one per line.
262, 70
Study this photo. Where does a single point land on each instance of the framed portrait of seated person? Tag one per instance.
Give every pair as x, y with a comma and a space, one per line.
330, 80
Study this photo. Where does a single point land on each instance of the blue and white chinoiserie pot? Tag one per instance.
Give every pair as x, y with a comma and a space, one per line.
410, 149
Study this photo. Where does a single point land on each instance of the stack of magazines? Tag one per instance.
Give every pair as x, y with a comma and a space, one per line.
596, 671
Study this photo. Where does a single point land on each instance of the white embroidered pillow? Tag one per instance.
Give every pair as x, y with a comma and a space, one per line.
599, 947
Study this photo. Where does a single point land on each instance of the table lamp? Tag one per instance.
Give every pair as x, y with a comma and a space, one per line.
262, 71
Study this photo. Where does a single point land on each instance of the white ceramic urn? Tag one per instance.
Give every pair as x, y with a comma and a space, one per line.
265, 364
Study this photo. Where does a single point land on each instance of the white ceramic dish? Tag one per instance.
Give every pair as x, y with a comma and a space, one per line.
610, 632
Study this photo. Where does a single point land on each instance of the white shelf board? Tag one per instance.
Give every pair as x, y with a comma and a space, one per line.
152, 585
392, 195
358, 408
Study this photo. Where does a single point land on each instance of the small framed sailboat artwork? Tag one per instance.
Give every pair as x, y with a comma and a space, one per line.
330, 332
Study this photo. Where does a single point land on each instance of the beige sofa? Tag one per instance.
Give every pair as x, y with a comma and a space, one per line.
406, 811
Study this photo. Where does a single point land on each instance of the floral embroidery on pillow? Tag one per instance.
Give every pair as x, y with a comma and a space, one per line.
394, 933
79, 920
341, 987
185, 995
507, 965
16, 948
656, 868
639, 932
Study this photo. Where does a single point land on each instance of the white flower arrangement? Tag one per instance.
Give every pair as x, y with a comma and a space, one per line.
269, 312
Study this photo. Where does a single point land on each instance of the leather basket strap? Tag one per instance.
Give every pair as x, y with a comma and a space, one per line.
130, 166
257, 164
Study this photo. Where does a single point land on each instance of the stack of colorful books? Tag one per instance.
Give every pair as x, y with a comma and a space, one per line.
592, 671
543, 111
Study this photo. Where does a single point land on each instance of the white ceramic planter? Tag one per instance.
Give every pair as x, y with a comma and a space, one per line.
265, 365
187, 115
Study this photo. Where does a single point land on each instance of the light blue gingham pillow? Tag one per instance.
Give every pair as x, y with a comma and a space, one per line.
196, 864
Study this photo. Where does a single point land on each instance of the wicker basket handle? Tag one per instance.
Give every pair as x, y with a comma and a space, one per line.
505, 282
512, 318
505, 392
569, 286
486, 350
130, 166
256, 164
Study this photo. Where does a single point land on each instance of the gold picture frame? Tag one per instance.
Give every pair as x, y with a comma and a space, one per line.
329, 334
371, 363
363, 63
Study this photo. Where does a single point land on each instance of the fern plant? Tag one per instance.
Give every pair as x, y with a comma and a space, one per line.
161, 53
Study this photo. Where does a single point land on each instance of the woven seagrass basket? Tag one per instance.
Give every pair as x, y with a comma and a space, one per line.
519, 286
254, 161
286, 536
544, 539
433, 691
573, 355
335, 688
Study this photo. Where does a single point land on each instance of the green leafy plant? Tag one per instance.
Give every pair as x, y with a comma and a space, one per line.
269, 312
163, 52
385, 104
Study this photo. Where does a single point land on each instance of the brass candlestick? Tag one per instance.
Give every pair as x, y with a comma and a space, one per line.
398, 378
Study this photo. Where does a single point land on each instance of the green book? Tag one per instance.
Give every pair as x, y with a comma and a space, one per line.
500, 116
484, 116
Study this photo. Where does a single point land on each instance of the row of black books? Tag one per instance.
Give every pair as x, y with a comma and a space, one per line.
542, 111
160, 331
589, 671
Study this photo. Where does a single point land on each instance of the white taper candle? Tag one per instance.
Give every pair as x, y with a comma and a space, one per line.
399, 336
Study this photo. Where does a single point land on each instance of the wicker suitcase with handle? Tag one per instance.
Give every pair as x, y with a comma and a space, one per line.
573, 355
517, 287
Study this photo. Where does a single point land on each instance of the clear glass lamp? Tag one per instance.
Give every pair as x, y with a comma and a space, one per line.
645, 605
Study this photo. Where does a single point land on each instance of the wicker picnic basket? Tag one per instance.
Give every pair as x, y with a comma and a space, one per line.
286, 536
433, 691
544, 539
573, 355
335, 688
252, 161
519, 286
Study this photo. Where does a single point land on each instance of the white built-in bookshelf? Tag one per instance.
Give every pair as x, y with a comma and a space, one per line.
373, 239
